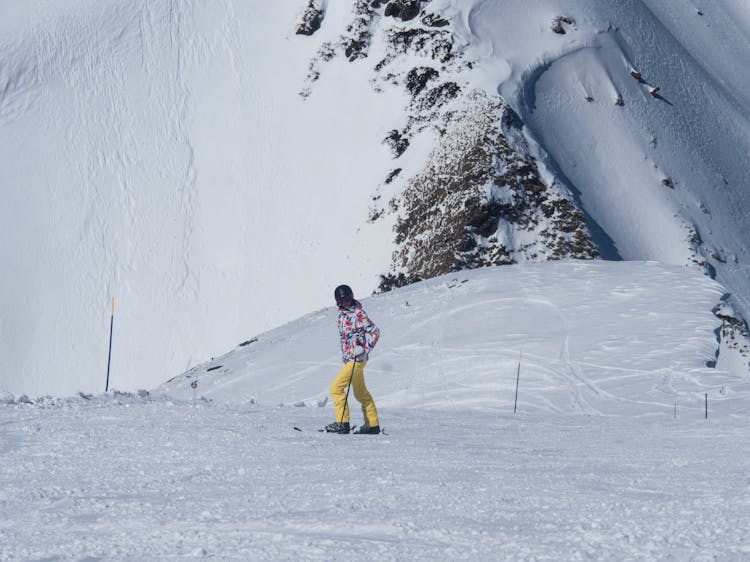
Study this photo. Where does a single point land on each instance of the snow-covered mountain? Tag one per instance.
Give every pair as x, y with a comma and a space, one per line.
219, 172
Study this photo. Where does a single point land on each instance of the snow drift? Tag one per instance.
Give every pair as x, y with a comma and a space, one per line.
647, 339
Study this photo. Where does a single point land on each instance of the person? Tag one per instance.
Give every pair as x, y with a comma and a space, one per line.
358, 337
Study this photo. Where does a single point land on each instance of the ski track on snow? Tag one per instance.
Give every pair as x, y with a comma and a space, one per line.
143, 477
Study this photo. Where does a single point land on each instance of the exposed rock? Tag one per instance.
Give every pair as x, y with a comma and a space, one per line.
480, 202
438, 96
734, 332
557, 24
356, 41
404, 9
428, 93
425, 107
432, 43
392, 281
397, 142
417, 79
325, 53
698, 251
480, 199
433, 20
375, 214
409, 9
393, 175
311, 18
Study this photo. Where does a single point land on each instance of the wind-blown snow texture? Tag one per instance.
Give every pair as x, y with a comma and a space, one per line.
154, 479
594, 465
455, 341
160, 153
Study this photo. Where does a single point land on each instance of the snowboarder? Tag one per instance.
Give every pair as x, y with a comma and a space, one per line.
358, 337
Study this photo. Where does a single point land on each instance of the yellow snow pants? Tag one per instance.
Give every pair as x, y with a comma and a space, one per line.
338, 393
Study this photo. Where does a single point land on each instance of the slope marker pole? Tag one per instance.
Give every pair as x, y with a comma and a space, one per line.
109, 356
518, 376
346, 400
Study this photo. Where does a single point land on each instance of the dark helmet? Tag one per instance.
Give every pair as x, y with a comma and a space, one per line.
343, 295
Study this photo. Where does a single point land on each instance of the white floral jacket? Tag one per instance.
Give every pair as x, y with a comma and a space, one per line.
358, 333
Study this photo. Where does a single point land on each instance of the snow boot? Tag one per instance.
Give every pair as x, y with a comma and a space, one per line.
337, 427
366, 430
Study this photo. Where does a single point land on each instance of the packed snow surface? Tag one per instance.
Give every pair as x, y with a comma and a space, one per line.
121, 478
609, 456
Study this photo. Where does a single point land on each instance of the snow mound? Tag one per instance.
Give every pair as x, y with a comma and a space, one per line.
609, 338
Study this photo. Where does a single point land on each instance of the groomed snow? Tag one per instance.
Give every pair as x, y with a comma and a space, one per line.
596, 464
126, 478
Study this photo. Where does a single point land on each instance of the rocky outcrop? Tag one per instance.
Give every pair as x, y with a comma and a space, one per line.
353, 43
404, 10
734, 334
311, 18
557, 24
430, 86
481, 201
433, 20
356, 40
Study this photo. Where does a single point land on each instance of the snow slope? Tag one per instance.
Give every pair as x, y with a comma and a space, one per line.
665, 177
127, 478
643, 341
161, 152
596, 464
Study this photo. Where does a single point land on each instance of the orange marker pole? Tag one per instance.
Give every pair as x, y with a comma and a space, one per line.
109, 358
